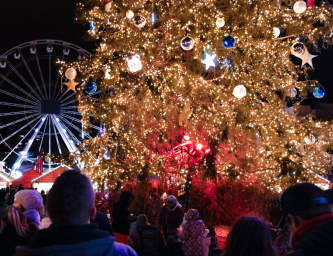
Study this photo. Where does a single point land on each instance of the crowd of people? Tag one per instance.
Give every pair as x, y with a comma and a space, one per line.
66, 222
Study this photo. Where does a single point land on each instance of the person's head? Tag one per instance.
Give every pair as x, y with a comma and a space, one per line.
249, 236
42, 192
192, 215
154, 190
303, 202
28, 200
71, 200
12, 192
3, 194
36, 189
171, 202
211, 231
329, 193
126, 197
14, 216
142, 220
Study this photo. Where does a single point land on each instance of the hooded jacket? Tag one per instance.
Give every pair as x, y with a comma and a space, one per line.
120, 223
314, 237
82, 240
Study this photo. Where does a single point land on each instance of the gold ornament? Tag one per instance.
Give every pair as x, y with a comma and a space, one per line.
185, 114
71, 85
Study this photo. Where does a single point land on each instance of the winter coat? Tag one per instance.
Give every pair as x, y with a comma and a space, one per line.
9, 239
103, 222
193, 234
314, 237
120, 223
3, 207
135, 241
171, 219
84, 240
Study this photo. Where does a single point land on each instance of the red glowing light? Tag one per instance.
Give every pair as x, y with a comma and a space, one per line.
199, 146
186, 137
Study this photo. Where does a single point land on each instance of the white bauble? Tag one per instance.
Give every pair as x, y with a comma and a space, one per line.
300, 7
108, 7
220, 22
129, 14
276, 32
310, 140
239, 91
70, 73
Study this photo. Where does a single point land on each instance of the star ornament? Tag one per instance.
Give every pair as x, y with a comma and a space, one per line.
306, 57
71, 85
209, 60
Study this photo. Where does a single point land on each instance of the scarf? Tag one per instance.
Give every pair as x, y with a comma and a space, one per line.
307, 226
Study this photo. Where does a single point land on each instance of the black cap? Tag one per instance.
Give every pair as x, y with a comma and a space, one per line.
301, 197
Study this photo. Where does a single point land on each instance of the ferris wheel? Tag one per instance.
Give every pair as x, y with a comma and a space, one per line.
35, 113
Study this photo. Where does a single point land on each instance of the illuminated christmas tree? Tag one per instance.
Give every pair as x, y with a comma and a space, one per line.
201, 87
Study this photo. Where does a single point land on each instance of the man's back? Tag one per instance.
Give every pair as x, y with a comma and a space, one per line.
316, 241
74, 240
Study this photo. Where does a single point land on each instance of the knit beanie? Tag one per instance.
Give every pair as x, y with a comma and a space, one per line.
29, 199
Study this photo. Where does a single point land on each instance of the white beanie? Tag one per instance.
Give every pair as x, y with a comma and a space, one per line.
29, 199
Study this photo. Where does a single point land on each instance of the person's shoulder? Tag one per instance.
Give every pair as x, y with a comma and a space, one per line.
120, 249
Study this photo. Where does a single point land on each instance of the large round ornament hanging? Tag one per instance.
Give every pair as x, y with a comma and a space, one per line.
220, 22
129, 14
187, 43
228, 42
239, 91
90, 88
293, 92
299, 7
70, 73
298, 48
319, 92
310, 3
276, 32
140, 21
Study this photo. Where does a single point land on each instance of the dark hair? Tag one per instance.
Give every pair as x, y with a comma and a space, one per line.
249, 236
71, 199
14, 216
211, 230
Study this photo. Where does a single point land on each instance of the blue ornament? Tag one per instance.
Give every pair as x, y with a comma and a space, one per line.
319, 92
228, 42
187, 43
90, 88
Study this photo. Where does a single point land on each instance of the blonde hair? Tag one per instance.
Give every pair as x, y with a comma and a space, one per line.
14, 216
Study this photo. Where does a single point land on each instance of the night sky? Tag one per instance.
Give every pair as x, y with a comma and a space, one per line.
22, 21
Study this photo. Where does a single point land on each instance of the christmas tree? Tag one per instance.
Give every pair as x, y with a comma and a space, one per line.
191, 87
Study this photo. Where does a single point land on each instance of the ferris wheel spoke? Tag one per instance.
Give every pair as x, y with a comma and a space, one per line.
17, 121
24, 153
49, 144
50, 75
73, 126
79, 121
70, 107
67, 103
72, 94
19, 105
64, 133
41, 75
41, 141
18, 87
62, 58
23, 80
18, 113
18, 97
56, 135
33, 77
9, 136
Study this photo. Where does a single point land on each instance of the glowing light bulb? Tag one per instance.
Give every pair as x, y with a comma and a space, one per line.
186, 137
199, 146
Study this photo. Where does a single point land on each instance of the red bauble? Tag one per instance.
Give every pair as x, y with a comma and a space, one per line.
310, 3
